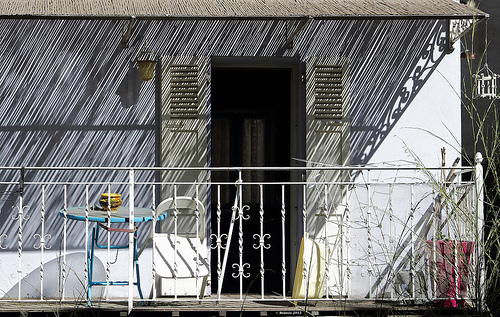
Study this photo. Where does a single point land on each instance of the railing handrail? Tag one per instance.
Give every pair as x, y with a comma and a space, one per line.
372, 182
236, 168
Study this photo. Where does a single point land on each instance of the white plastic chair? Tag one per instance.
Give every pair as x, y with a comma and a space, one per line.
189, 262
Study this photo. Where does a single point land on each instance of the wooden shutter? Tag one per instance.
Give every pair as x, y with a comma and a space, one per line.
328, 133
184, 104
328, 144
328, 86
184, 91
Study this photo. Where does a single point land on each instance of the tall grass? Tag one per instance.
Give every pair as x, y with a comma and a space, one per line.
483, 117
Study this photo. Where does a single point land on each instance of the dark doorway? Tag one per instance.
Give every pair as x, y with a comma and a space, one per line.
250, 119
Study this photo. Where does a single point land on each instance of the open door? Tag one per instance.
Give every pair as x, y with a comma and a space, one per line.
250, 126
327, 144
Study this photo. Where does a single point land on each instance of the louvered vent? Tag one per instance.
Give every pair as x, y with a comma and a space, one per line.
328, 92
184, 91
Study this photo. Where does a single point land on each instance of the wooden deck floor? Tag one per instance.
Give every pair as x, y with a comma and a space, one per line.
227, 308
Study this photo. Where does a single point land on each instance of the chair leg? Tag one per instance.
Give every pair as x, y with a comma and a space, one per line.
90, 266
203, 286
138, 283
155, 282
136, 259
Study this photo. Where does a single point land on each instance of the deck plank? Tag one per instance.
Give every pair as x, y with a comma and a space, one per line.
227, 307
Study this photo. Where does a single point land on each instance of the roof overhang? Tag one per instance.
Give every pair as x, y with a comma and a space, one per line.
240, 9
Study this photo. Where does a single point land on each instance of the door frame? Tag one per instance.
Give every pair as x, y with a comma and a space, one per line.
297, 135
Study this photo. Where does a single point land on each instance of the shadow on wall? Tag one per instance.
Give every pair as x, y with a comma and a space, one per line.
52, 281
396, 59
402, 258
78, 104
129, 87
72, 101
377, 108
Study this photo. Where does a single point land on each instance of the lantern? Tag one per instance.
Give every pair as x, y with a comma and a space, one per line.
146, 64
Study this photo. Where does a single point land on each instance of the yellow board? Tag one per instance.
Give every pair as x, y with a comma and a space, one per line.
314, 255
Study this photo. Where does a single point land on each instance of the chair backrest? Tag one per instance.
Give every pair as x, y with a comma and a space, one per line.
186, 207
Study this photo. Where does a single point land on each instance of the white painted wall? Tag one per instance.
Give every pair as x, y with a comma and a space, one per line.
431, 122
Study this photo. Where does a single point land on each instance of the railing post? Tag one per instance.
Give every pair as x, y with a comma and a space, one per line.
218, 242
347, 236
42, 244
153, 214
175, 213
20, 217
369, 232
240, 239
42, 241
65, 240
197, 246
108, 235
131, 242
392, 239
283, 243
305, 238
326, 214
261, 238
234, 209
413, 240
87, 265
479, 197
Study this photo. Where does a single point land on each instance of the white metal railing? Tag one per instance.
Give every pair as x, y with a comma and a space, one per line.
368, 224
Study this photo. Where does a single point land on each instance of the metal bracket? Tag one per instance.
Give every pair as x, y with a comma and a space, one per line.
458, 28
300, 27
128, 34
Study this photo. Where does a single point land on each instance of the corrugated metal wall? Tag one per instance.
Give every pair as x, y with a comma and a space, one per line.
70, 94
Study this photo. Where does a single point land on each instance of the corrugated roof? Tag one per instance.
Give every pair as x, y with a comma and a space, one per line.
237, 8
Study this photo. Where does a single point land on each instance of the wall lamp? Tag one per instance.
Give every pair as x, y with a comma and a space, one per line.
146, 64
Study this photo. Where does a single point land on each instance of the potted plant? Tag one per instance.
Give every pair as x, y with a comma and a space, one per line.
449, 262
449, 259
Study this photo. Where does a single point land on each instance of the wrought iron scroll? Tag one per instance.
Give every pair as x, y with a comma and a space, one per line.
20, 217
283, 243
457, 29
240, 267
43, 237
3, 237
218, 239
261, 238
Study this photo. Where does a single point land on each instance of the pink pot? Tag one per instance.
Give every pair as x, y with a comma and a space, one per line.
449, 263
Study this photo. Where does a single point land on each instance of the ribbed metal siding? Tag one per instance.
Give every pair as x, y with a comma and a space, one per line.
71, 95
